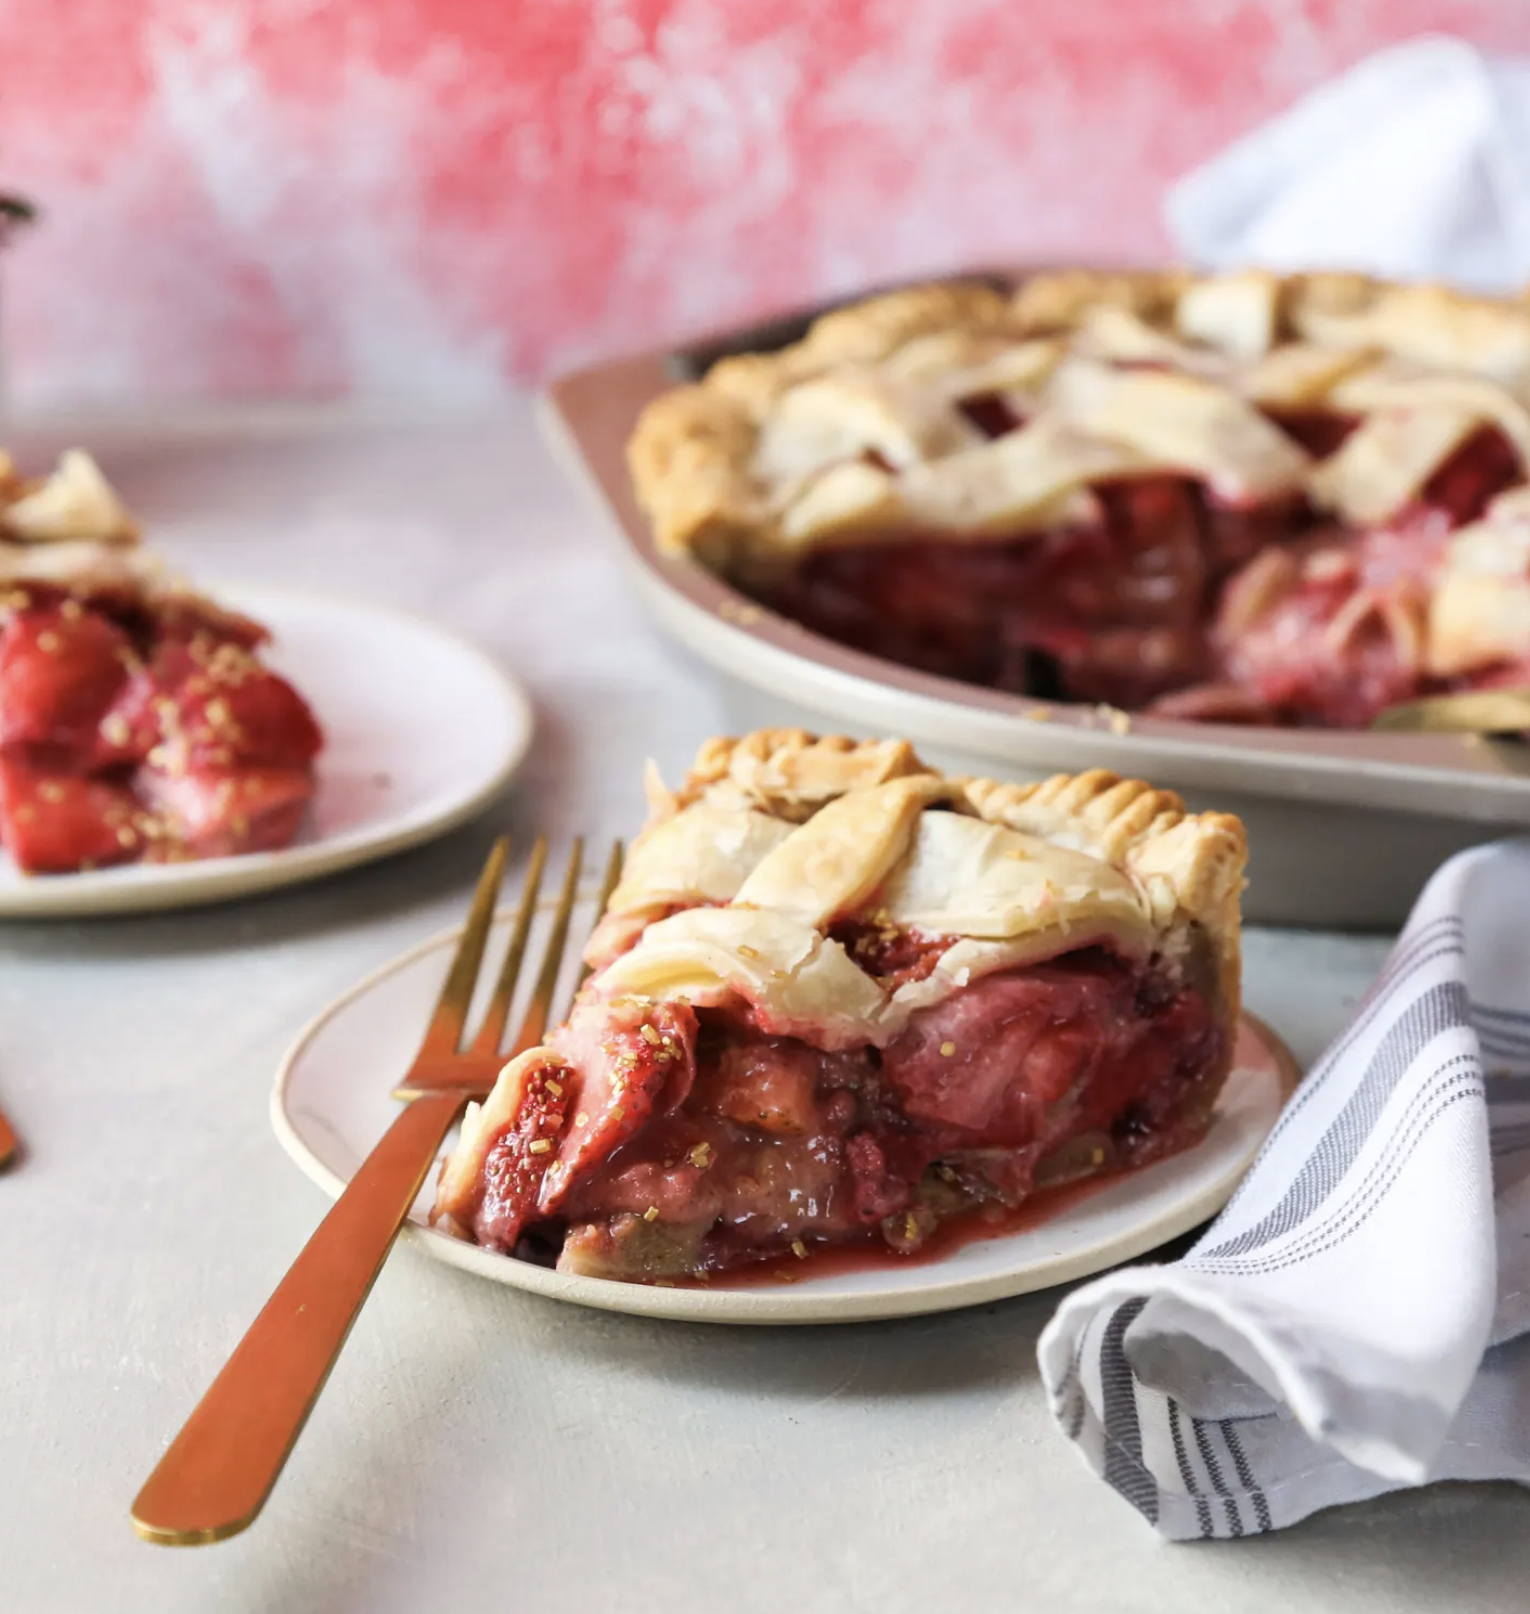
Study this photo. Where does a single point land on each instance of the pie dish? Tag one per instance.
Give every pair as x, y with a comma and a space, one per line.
841, 1002
137, 720
1240, 498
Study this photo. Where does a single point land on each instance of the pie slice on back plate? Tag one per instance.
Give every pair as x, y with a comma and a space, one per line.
1238, 497
841, 1000
137, 720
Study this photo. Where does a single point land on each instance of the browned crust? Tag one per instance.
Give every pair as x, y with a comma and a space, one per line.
1190, 865
1106, 814
1060, 300
689, 461
791, 773
691, 454
867, 331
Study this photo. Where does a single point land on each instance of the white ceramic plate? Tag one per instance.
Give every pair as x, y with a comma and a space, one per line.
422, 730
330, 1105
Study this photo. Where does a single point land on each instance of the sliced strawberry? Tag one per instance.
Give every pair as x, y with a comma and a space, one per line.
200, 704
535, 1092
230, 711
625, 1053
58, 823
60, 671
131, 727
222, 812
146, 711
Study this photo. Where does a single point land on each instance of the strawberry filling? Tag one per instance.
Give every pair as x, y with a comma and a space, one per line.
1146, 606
692, 1142
132, 730
1111, 610
61, 670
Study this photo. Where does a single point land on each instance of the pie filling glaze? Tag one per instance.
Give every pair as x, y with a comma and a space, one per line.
1238, 498
137, 720
841, 1002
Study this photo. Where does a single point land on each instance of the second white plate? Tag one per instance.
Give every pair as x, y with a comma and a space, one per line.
331, 1104
421, 731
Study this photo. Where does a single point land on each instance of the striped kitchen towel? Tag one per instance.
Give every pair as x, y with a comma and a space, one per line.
1357, 1320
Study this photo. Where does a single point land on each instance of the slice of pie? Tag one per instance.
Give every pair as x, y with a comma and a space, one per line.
1237, 497
137, 719
840, 1000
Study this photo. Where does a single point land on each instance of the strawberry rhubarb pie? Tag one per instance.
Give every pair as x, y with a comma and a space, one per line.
137, 720
842, 1002
1238, 498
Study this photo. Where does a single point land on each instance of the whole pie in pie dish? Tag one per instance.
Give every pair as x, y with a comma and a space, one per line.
137, 720
1238, 497
842, 1002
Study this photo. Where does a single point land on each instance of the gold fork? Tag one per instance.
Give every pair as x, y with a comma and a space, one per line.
220, 1469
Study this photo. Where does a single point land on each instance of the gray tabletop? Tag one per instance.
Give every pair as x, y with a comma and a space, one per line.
478, 1448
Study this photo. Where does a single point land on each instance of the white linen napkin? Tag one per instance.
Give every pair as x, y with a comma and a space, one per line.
1413, 165
1352, 1322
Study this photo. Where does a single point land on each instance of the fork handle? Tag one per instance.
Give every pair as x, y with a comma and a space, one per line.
220, 1469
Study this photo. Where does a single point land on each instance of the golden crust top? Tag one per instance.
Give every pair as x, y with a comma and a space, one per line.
1188, 866
791, 773
75, 504
857, 432
69, 526
801, 832
1060, 301
70, 530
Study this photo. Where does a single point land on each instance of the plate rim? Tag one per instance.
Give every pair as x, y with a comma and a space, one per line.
214, 880
759, 1306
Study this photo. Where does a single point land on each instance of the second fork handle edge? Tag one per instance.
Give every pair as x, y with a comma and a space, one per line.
219, 1470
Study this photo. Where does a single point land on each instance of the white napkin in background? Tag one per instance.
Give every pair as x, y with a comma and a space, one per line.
1325, 1340
1413, 165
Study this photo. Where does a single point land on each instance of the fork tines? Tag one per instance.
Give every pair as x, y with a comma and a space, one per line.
447, 1058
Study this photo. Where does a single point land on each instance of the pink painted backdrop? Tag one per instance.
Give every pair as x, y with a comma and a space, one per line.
442, 196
